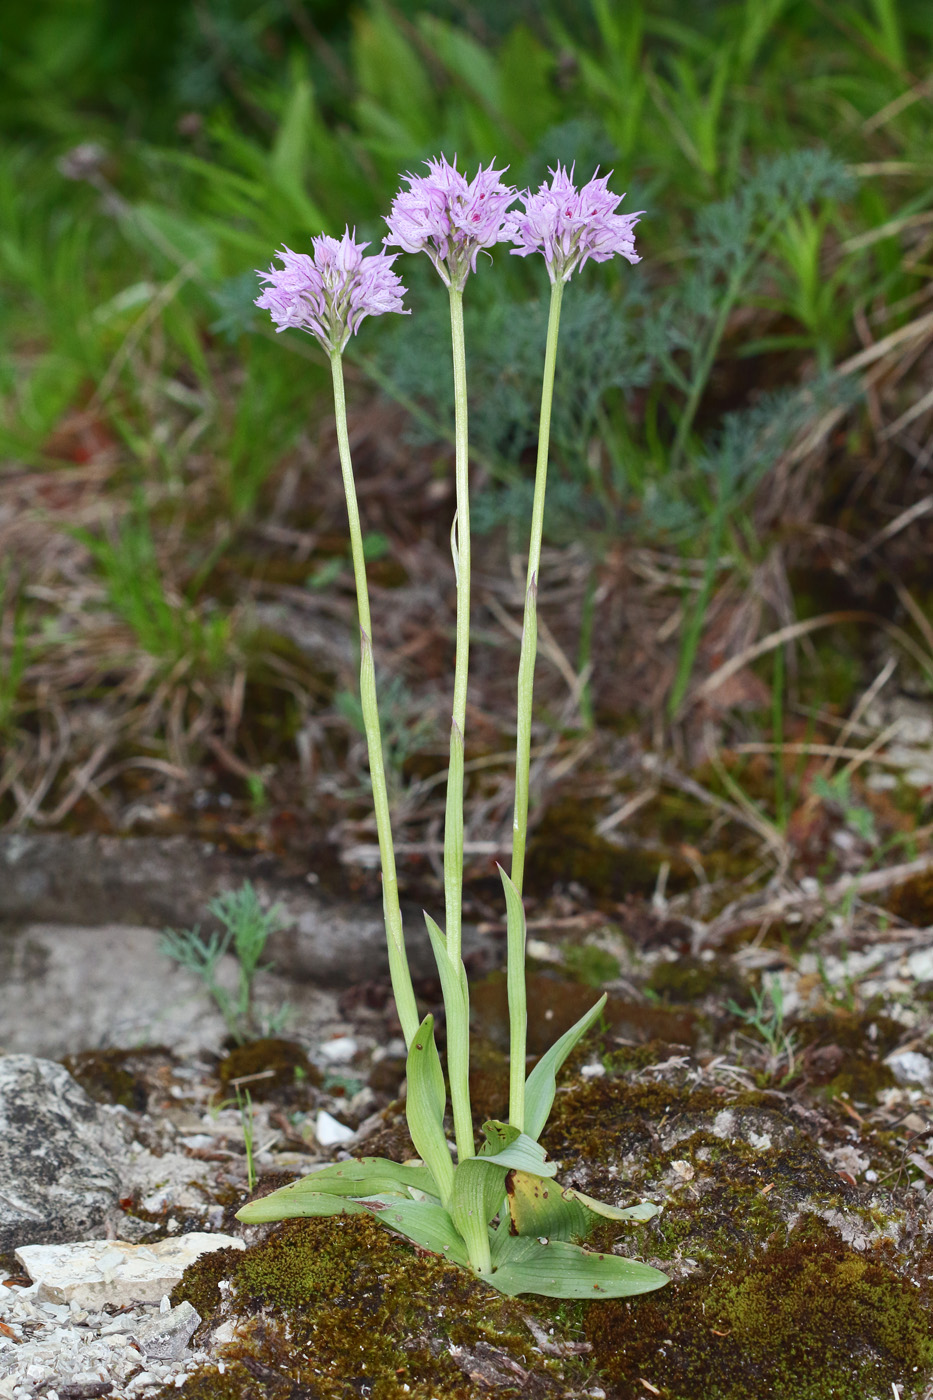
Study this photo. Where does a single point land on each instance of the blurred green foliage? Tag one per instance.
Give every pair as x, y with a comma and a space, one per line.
155, 154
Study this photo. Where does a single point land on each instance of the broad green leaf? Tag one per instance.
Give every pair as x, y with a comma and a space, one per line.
360, 1177
538, 1207
541, 1085
556, 1269
519, 1150
477, 1194
309, 1203
515, 974
425, 1106
427, 1225
645, 1210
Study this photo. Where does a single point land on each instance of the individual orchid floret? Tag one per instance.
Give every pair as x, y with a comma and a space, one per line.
449, 217
331, 292
569, 226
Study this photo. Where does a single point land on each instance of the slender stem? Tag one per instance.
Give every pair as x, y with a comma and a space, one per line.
518, 1009
398, 961
458, 1057
526, 665
453, 830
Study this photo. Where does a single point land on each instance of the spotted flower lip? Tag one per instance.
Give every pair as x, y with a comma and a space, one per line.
330, 292
570, 226
449, 217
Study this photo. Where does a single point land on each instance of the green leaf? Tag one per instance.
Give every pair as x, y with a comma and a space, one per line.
457, 1008
309, 1203
426, 1224
478, 1191
361, 1177
556, 1269
519, 1151
541, 1085
498, 1136
645, 1210
515, 926
538, 1207
425, 1106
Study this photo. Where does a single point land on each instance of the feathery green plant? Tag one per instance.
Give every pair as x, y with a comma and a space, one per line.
245, 930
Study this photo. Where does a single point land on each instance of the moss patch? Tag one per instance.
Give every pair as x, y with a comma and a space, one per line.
341, 1308
276, 1069
809, 1320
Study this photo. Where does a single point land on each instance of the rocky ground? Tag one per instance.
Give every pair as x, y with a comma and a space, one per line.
772, 1094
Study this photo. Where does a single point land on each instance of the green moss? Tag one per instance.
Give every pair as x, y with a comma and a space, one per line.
286, 1071
566, 847
691, 979
588, 964
865, 1038
107, 1076
199, 1285
235, 1382
809, 1319
339, 1307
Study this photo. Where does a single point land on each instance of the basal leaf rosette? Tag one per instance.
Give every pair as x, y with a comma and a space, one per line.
506, 1218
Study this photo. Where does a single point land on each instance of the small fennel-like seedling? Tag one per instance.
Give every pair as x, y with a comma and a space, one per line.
245, 931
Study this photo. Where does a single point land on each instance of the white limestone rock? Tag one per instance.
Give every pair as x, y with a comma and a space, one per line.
330, 1132
166, 1336
94, 1272
910, 1067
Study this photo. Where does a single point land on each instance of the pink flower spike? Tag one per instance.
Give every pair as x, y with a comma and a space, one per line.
568, 225
450, 218
331, 292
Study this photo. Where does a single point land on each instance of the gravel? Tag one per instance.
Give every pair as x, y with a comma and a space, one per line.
63, 1352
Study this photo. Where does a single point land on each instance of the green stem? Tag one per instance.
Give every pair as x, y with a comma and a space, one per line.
453, 833
453, 820
518, 1011
526, 665
398, 961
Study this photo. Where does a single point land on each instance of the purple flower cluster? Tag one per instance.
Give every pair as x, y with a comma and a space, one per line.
449, 217
569, 226
331, 292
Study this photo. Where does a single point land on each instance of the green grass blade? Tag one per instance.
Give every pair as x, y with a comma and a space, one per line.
541, 1085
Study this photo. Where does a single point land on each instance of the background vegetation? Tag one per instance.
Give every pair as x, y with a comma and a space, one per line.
740, 511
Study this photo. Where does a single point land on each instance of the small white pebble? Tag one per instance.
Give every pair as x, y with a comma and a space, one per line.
338, 1051
329, 1131
165, 1306
595, 1071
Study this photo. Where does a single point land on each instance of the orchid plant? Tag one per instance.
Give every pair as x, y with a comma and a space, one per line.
497, 1211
